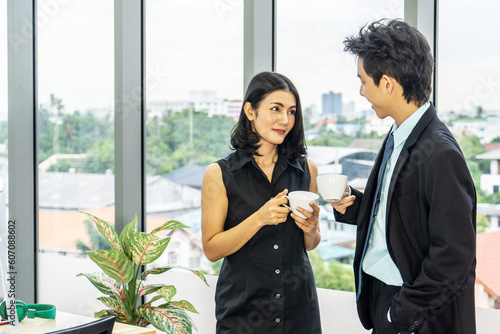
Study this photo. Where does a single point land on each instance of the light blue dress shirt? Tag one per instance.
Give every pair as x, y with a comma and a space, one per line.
377, 261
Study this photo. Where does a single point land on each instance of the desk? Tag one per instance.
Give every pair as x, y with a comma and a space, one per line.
66, 320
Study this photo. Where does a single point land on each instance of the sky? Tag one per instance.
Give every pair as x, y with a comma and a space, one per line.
198, 45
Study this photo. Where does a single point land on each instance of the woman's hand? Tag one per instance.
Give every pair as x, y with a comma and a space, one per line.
309, 225
345, 202
273, 212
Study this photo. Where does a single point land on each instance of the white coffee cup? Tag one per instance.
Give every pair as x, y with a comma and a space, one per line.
332, 186
302, 199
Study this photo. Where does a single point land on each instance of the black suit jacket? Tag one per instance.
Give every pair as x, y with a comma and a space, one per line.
430, 224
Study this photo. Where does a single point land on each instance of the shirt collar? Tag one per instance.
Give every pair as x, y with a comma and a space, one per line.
402, 132
244, 158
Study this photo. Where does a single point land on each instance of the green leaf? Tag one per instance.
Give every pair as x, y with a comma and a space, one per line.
184, 304
105, 313
171, 320
145, 288
161, 270
104, 284
167, 292
117, 307
148, 304
127, 234
170, 225
114, 263
107, 231
146, 248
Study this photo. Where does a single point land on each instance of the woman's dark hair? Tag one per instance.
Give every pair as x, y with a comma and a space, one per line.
242, 136
398, 50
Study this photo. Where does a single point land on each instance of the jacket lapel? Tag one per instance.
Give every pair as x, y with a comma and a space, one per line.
399, 173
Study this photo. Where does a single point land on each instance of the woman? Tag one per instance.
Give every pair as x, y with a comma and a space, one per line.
266, 284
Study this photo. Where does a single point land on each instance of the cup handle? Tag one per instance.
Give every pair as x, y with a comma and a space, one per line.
286, 206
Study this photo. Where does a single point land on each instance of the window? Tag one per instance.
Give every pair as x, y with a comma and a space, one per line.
469, 90
3, 94
195, 61
3, 57
338, 121
194, 262
172, 258
4, 177
75, 142
469, 102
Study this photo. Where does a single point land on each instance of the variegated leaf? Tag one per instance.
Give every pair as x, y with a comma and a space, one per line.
107, 231
156, 271
184, 304
105, 313
146, 287
141, 322
127, 234
161, 270
171, 320
104, 284
155, 298
114, 263
146, 248
117, 307
170, 225
148, 304
167, 292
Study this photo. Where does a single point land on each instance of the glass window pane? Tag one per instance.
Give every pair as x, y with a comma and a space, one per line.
75, 145
3, 72
4, 173
343, 133
194, 88
469, 102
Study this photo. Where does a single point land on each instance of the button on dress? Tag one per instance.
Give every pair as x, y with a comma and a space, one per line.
268, 285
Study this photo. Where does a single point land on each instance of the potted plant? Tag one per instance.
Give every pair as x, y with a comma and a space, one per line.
123, 285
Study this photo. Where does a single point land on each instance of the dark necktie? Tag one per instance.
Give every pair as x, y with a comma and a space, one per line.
389, 146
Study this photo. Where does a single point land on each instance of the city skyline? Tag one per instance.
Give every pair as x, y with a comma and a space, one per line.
70, 67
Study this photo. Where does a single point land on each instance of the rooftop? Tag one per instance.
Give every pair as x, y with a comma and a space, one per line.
488, 262
490, 155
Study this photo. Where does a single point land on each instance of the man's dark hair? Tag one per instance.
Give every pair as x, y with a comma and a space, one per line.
394, 48
244, 139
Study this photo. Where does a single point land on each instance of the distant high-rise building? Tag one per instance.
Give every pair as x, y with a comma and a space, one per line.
348, 109
332, 103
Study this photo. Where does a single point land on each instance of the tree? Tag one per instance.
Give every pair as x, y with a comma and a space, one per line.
96, 240
479, 112
330, 138
332, 274
100, 158
496, 140
186, 138
482, 223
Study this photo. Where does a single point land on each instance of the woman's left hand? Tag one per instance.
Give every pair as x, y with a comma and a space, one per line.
309, 225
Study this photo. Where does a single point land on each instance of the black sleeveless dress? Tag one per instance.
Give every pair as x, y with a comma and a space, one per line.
268, 285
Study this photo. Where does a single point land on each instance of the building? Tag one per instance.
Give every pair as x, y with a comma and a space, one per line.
485, 128
354, 162
332, 103
490, 183
492, 213
488, 262
205, 101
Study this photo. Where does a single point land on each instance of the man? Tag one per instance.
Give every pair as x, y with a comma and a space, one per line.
415, 251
